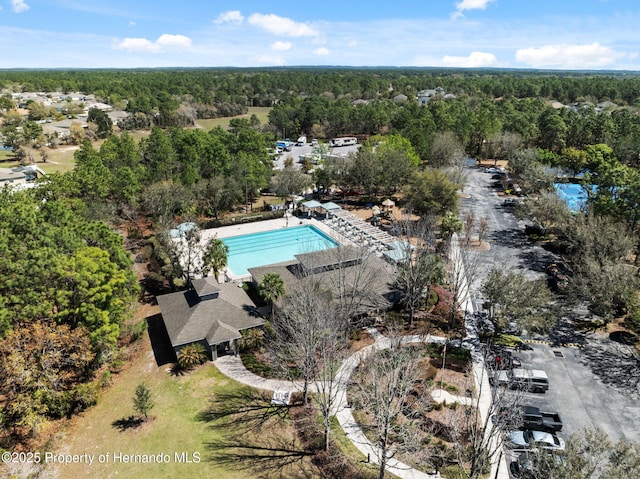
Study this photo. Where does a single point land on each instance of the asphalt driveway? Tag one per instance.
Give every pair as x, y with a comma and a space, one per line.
594, 385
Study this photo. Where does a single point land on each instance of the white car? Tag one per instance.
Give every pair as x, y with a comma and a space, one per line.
525, 440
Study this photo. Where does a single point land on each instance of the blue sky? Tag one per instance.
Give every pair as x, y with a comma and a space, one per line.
549, 34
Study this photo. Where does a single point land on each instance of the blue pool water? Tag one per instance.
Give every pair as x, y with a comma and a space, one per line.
259, 249
573, 194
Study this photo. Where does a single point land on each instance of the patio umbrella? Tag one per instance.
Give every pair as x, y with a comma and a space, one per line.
375, 210
388, 203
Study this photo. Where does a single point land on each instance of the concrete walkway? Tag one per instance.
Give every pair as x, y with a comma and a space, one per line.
232, 367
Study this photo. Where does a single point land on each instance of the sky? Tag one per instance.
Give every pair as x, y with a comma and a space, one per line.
539, 34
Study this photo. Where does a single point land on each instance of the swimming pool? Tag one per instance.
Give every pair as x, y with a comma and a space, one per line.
573, 194
276, 246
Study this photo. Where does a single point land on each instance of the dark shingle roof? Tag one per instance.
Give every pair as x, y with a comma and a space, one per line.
189, 319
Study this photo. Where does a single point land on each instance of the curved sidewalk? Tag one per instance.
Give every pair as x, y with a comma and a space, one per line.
231, 366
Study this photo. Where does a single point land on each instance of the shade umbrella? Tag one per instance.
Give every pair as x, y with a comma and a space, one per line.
388, 203
375, 210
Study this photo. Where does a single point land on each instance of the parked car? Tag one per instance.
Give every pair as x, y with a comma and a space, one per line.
527, 465
512, 328
528, 417
533, 380
529, 439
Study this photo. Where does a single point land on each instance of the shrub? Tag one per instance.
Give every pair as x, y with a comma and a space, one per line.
507, 340
254, 365
191, 355
432, 299
86, 395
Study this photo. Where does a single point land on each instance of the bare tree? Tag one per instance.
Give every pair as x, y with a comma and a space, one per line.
469, 223
589, 454
476, 432
420, 266
514, 298
188, 255
444, 147
463, 271
483, 227
547, 210
385, 380
359, 280
310, 337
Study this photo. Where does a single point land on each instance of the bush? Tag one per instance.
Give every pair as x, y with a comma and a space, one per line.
632, 321
432, 299
254, 365
86, 395
191, 355
507, 340
131, 332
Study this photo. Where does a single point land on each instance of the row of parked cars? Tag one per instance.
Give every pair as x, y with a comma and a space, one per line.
529, 429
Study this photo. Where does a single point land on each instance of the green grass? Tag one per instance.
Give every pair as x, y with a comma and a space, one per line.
5, 155
183, 421
261, 112
354, 455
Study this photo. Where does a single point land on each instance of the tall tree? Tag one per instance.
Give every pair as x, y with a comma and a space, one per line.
420, 267
384, 383
432, 192
42, 365
158, 155
102, 121
214, 257
290, 182
271, 287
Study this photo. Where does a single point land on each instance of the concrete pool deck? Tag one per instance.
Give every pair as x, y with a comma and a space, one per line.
269, 225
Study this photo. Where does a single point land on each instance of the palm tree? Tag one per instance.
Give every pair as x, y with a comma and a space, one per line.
271, 288
191, 356
215, 257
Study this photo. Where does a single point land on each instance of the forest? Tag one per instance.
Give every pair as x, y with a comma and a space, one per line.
66, 280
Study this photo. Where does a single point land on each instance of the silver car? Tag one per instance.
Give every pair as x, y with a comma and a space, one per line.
525, 440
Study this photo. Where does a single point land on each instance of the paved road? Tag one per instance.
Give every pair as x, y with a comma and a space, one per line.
509, 245
593, 386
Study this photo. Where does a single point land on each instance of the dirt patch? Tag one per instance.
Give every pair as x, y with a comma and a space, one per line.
361, 342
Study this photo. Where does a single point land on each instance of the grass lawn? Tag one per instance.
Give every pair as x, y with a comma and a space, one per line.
185, 420
261, 112
5, 155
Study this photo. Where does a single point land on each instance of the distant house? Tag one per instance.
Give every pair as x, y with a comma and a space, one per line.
9, 176
209, 314
425, 96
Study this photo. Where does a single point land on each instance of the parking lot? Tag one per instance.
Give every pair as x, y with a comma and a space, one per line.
593, 386
578, 395
307, 149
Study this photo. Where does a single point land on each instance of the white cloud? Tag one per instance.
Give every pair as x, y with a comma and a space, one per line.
322, 51
132, 23
474, 60
271, 60
179, 41
137, 44
281, 25
463, 5
281, 46
144, 45
19, 6
232, 16
591, 55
